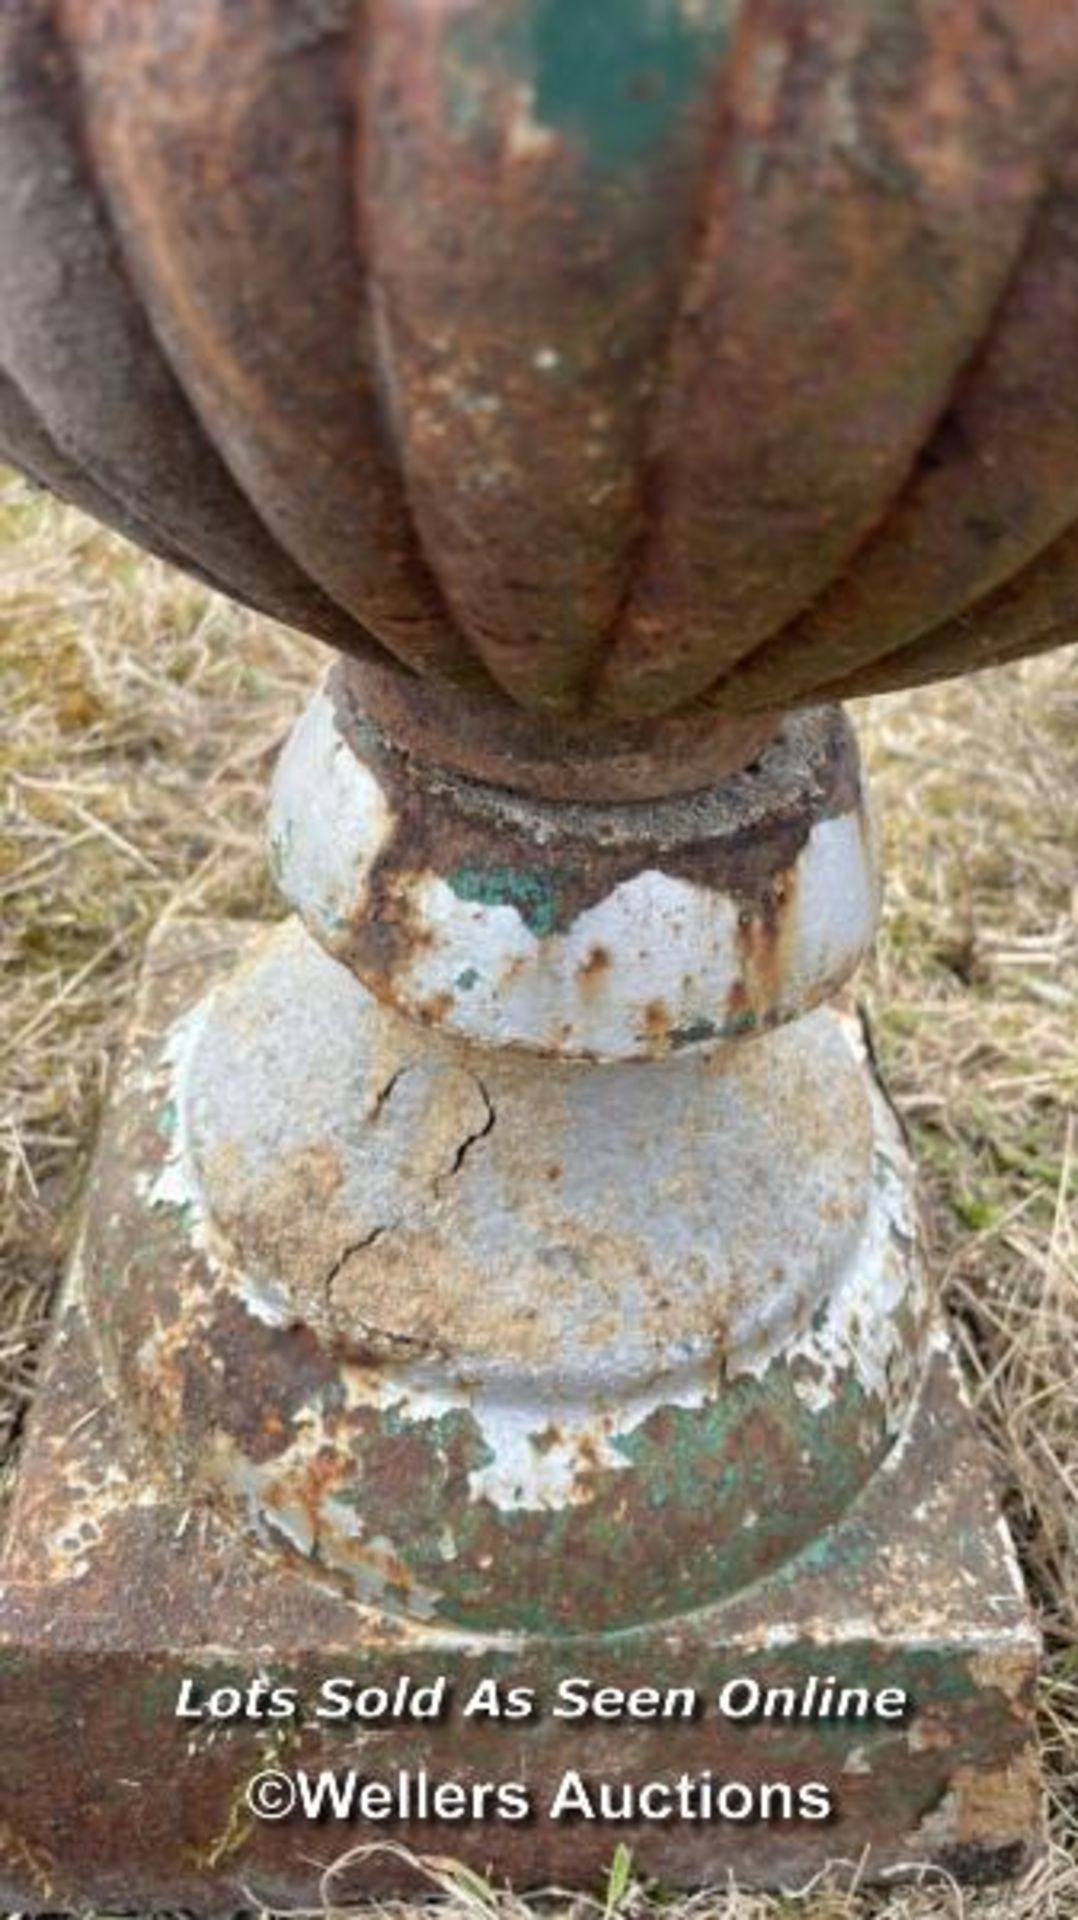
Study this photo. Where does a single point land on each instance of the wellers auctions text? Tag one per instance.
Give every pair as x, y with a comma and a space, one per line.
421, 1796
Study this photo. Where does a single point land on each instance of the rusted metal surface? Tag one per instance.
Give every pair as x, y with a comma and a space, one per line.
605, 380
119, 1576
612, 360
483, 737
412, 1309
154, 1813
583, 931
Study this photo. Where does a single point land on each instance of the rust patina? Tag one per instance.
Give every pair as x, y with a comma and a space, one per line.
119, 1579
606, 380
621, 360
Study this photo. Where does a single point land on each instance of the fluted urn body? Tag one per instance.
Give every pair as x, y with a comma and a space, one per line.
620, 359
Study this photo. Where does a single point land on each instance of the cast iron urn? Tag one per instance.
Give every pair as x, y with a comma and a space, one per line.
512, 1256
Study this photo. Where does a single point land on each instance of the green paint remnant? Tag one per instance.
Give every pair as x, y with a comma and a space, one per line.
743, 1020
467, 979
694, 1033
617, 78
841, 1549
705, 1474
614, 80
534, 895
454, 1445
820, 1316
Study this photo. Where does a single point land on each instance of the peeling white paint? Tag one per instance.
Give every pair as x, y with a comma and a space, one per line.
856, 1333
324, 873
856, 1337
670, 943
542, 1424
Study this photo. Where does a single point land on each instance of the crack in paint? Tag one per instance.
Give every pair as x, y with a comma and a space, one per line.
470, 1139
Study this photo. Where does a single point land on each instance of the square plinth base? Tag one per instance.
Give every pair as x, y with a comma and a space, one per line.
123, 1608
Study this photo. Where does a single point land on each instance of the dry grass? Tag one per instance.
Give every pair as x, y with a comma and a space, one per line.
140, 718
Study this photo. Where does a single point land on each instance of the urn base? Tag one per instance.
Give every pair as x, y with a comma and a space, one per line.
869, 1701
